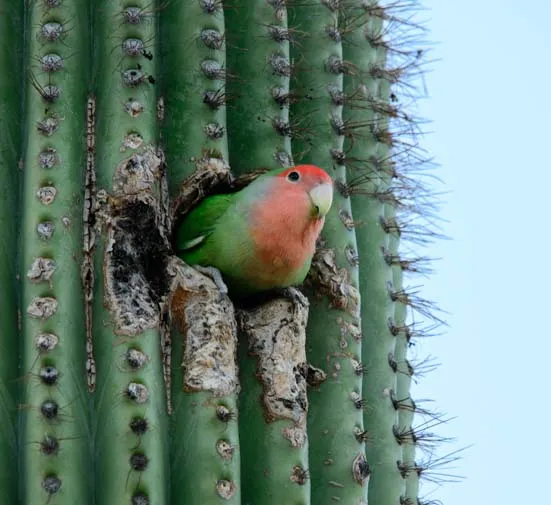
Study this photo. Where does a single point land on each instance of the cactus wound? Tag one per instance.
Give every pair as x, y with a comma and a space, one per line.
211, 172
135, 267
208, 330
333, 282
277, 333
137, 248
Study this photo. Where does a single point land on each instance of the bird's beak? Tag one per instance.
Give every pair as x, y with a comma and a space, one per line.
322, 198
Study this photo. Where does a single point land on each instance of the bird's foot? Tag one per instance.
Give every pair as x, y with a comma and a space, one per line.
214, 274
294, 295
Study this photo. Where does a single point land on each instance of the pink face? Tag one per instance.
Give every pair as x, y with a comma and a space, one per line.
284, 225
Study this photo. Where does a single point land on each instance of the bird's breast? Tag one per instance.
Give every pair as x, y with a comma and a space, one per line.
280, 257
283, 237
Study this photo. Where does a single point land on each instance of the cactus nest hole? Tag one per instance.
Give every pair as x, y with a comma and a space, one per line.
139, 247
212, 177
135, 265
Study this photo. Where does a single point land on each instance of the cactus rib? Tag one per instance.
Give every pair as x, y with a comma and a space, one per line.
205, 455
273, 403
194, 83
55, 406
130, 251
383, 451
258, 121
337, 462
205, 452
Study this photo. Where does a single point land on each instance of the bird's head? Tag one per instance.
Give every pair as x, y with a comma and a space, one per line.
313, 181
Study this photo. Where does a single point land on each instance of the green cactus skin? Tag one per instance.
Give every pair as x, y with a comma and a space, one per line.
259, 63
11, 45
383, 451
273, 404
130, 409
55, 458
205, 440
194, 61
205, 455
335, 425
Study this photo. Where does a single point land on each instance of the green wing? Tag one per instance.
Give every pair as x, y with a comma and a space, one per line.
200, 222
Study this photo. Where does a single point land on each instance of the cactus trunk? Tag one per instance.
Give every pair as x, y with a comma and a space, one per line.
128, 377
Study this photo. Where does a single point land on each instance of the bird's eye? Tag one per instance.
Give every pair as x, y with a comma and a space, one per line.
293, 176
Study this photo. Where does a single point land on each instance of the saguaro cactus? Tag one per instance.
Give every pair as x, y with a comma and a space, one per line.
129, 377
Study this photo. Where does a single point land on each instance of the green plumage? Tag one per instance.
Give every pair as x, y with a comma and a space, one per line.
200, 223
216, 233
261, 237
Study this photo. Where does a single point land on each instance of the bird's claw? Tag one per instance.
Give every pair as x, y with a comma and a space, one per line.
294, 295
214, 274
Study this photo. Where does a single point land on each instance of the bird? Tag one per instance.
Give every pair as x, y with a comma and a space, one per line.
262, 237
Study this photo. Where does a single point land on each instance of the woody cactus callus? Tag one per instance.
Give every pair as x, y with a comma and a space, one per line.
128, 373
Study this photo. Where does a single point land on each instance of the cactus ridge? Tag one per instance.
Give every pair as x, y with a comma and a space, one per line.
338, 465
392, 205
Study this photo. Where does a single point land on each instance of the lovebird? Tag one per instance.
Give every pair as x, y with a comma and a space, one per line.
262, 237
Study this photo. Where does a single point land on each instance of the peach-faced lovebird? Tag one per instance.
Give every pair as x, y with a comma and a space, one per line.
264, 236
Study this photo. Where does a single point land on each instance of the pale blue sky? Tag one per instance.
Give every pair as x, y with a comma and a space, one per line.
491, 109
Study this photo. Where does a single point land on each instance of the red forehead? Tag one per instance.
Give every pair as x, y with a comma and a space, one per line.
308, 172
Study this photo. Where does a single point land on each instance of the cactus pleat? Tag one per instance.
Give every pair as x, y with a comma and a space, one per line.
386, 484
129, 377
55, 459
374, 157
194, 62
337, 463
129, 246
205, 455
260, 68
272, 402
404, 431
11, 46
